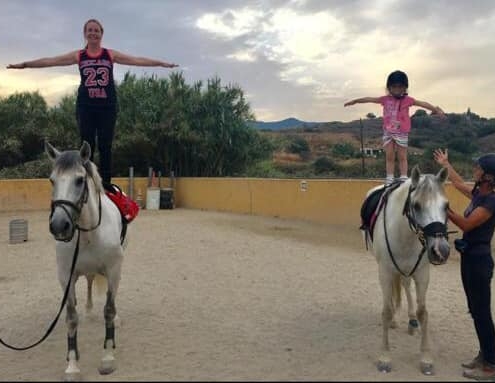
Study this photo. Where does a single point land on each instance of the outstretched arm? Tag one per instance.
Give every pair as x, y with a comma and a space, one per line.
442, 158
363, 100
426, 105
65, 59
122, 58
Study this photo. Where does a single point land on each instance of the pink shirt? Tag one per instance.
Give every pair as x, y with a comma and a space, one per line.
396, 114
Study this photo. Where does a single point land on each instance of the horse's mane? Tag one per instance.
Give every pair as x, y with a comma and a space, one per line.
71, 159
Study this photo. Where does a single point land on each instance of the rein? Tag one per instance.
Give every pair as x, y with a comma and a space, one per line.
77, 207
433, 229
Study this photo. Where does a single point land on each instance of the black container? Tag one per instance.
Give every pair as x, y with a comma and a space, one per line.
167, 199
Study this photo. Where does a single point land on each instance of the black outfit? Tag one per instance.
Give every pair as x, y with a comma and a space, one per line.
96, 107
477, 272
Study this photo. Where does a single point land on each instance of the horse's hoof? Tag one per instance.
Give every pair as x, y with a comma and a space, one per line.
107, 366
384, 367
72, 373
72, 377
427, 368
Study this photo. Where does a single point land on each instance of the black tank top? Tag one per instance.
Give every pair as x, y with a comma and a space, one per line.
97, 86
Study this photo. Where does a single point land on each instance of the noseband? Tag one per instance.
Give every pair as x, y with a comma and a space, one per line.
77, 207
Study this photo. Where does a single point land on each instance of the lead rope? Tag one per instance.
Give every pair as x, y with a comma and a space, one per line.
62, 305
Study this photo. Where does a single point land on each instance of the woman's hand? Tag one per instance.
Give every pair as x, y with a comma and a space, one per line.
441, 157
16, 66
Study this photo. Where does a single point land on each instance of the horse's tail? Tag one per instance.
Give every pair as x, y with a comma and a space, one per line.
101, 284
396, 293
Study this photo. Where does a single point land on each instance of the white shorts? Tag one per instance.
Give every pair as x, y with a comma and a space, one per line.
400, 139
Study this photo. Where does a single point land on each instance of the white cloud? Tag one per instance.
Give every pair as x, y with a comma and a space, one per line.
243, 55
231, 23
51, 85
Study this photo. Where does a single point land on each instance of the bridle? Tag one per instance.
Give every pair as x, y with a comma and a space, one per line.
434, 229
78, 206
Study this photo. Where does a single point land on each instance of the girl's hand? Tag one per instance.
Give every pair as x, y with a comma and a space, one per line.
440, 113
348, 103
16, 66
442, 158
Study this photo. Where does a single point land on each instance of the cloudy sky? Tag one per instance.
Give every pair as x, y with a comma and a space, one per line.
300, 58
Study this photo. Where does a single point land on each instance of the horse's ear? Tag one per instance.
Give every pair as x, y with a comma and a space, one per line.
415, 174
51, 151
442, 175
85, 152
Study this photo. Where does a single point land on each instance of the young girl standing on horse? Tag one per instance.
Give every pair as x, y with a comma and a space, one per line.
96, 106
396, 121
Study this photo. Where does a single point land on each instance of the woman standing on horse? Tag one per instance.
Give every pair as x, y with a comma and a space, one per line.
96, 98
478, 224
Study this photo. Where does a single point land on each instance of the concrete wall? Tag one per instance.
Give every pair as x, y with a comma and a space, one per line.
325, 201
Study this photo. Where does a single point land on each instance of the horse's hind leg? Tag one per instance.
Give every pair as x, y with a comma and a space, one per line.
107, 365
72, 373
384, 361
411, 312
422, 279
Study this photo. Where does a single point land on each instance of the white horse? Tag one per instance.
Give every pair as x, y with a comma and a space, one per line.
86, 224
412, 222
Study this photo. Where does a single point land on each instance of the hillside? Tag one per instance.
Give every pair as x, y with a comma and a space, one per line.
288, 123
333, 149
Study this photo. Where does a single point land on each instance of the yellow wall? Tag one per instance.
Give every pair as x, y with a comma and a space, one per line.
325, 201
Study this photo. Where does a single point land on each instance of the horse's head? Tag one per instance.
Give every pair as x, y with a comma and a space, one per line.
426, 209
69, 179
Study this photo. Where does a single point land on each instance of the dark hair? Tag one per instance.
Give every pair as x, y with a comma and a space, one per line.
397, 77
92, 21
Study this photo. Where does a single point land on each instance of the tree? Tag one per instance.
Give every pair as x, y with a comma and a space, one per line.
323, 165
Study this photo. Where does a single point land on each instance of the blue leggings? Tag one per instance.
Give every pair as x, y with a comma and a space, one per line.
476, 273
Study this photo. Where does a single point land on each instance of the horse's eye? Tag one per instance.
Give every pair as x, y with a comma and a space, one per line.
79, 181
417, 206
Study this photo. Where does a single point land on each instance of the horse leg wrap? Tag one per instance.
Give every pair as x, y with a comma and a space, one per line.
109, 335
72, 345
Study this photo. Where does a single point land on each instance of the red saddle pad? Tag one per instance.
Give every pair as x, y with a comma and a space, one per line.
127, 206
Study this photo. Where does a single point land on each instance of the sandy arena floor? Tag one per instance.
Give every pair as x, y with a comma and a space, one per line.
217, 296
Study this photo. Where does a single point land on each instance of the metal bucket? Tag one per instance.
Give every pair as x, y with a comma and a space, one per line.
18, 231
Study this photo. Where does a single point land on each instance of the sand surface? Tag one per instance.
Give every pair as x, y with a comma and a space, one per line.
218, 296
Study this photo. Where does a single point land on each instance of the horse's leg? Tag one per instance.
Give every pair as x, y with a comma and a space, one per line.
411, 312
89, 301
421, 279
107, 365
72, 373
386, 280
